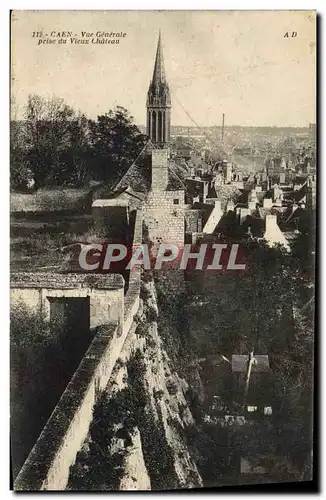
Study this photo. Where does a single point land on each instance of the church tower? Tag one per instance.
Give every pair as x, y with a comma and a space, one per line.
159, 103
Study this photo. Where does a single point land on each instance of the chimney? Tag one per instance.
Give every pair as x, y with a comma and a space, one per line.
230, 206
159, 169
253, 196
271, 224
252, 206
205, 190
244, 212
267, 203
282, 178
277, 193
228, 176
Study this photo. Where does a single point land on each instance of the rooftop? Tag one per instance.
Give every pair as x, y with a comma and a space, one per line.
113, 202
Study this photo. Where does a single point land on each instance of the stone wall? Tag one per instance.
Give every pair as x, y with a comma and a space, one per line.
131, 302
105, 293
156, 454
111, 218
164, 216
163, 403
47, 466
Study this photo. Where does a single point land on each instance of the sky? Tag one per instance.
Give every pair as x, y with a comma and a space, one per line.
233, 62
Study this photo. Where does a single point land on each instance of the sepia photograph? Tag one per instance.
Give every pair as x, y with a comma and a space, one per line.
163, 180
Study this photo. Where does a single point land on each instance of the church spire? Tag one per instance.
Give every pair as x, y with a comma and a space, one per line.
159, 102
159, 71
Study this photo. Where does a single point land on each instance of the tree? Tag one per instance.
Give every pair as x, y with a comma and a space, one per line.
115, 142
77, 157
47, 137
58, 147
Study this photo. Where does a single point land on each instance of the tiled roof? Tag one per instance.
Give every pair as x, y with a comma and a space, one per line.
176, 175
138, 176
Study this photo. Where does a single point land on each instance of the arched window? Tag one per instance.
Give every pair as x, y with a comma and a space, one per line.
163, 127
148, 129
159, 135
153, 134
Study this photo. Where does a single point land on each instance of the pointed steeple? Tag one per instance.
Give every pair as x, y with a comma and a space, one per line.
159, 71
158, 102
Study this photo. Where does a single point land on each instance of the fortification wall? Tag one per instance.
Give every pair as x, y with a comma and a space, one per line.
112, 218
131, 300
51, 200
156, 454
47, 466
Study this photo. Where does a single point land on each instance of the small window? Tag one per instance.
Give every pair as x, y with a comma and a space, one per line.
176, 201
251, 408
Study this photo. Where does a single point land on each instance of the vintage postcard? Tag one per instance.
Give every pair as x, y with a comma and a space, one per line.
163, 178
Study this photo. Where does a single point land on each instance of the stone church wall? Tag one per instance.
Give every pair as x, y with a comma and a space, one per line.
164, 216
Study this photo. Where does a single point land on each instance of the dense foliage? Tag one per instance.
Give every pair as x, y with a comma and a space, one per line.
56, 146
43, 358
268, 309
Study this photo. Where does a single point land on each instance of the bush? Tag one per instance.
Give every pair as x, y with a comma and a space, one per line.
144, 292
141, 330
158, 395
40, 359
147, 276
172, 388
100, 469
151, 315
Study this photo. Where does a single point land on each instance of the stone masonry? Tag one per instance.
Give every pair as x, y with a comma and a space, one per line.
164, 210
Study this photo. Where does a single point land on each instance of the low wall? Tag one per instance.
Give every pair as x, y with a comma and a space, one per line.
48, 200
47, 466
